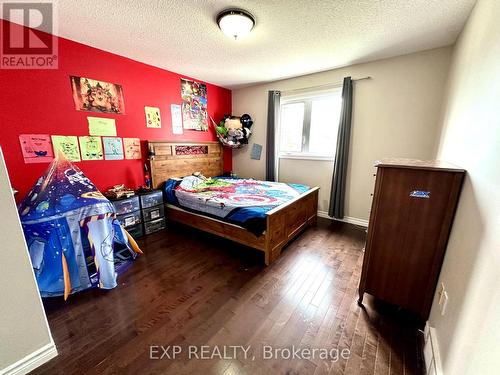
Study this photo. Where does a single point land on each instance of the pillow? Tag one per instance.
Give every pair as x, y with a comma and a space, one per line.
190, 182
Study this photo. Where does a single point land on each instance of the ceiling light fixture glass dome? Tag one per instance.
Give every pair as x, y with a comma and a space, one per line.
235, 23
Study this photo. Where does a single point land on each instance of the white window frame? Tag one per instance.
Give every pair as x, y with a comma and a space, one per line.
301, 97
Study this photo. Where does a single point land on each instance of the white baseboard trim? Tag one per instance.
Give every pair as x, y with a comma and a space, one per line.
432, 358
346, 219
31, 361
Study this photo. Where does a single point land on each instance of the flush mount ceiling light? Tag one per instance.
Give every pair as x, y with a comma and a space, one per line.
235, 23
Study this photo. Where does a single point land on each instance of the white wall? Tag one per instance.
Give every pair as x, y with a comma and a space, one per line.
23, 326
309, 172
395, 114
469, 332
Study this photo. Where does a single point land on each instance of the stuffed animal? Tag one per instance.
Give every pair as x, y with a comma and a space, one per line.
247, 123
234, 131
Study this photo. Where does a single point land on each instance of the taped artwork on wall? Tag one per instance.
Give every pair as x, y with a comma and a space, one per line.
36, 148
153, 118
132, 148
113, 148
102, 126
97, 96
194, 105
176, 112
256, 151
91, 148
68, 145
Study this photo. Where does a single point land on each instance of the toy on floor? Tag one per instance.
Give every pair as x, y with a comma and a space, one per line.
71, 232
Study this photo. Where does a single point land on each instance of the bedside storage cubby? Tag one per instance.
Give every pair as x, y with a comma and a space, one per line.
128, 213
152, 211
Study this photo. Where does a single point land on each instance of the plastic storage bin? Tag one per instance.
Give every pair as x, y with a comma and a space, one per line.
126, 205
154, 198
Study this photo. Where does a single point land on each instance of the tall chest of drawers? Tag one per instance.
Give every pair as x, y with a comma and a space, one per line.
412, 212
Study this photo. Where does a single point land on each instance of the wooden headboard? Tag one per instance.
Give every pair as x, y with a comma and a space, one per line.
179, 159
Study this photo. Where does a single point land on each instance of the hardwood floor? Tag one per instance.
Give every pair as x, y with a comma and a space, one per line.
192, 289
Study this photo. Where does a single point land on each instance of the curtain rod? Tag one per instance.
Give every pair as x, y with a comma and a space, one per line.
325, 85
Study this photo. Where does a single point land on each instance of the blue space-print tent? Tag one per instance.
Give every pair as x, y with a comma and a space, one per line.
71, 232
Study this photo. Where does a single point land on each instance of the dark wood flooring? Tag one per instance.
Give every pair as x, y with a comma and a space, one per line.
193, 289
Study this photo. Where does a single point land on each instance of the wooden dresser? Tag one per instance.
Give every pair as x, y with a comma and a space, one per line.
412, 212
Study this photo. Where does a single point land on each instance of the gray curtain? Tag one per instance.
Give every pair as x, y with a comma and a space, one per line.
337, 194
273, 107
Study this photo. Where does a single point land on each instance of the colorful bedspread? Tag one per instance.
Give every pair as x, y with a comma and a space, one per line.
238, 201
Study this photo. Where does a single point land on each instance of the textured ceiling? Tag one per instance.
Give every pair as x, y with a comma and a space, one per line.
291, 37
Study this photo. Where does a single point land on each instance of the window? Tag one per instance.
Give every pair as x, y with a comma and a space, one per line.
309, 124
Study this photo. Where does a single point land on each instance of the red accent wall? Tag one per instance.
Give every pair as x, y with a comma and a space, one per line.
41, 102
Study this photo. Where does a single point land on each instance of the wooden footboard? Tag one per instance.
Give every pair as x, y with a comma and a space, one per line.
283, 224
287, 221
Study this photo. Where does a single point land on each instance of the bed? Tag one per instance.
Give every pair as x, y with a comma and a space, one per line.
282, 223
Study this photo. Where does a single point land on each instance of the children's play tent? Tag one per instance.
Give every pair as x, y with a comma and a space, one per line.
71, 232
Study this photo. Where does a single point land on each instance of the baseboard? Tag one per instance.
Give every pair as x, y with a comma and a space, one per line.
431, 352
31, 361
346, 219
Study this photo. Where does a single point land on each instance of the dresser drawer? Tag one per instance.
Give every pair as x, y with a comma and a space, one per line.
154, 226
153, 213
127, 205
129, 219
152, 199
